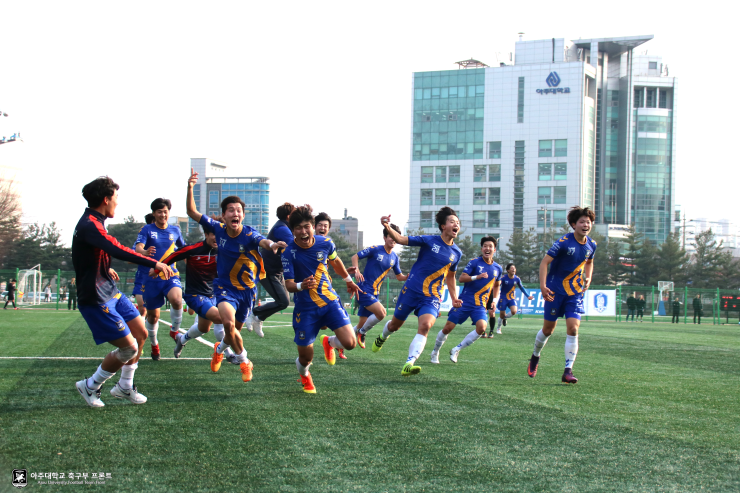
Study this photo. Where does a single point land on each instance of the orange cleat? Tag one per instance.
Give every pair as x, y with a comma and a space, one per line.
216, 359
341, 354
246, 369
308, 386
329, 355
173, 334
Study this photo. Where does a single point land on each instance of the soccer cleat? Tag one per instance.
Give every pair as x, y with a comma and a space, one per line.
155, 352
453, 354
216, 359
503, 320
341, 354
179, 344
435, 357
534, 362
308, 386
568, 376
360, 339
329, 355
409, 369
378, 343
132, 395
246, 369
92, 397
173, 335
498, 331
257, 327
231, 358
249, 322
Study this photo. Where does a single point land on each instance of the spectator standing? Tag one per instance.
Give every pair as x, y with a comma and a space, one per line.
631, 307
640, 307
698, 309
47, 293
676, 310
72, 291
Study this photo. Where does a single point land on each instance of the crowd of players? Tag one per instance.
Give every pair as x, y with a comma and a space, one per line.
224, 269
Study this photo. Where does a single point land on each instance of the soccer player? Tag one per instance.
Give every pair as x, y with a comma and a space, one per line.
11, 295
274, 283
509, 283
436, 264
111, 316
158, 240
142, 273
571, 265
380, 260
239, 267
482, 278
316, 303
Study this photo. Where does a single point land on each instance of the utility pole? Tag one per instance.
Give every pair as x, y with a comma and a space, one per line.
684, 231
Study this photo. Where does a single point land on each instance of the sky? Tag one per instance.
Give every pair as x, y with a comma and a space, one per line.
316, 96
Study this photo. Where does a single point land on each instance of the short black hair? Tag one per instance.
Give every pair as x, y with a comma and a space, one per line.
161, 203
231, 199
577, 212
300, 214
489, 238
98, 189
283, 211
509, 266
442, 216
394, 228
322, 216
149, 218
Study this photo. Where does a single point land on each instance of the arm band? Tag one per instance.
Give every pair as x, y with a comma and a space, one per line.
299, 286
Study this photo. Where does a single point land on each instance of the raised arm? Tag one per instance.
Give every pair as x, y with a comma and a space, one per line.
269, 245
398, 238
190, 202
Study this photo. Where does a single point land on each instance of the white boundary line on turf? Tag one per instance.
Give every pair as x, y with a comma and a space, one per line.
98, 358
184, 331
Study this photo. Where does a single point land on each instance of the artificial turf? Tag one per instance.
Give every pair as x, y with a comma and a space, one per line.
655, 409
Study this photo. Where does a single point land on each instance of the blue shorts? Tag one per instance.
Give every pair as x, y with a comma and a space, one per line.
503, 304
138, 289
242, 301
307, 323
199, 304
460, 315
420, 304
139, 280
363, 300
156, 290
108, 322
570, 306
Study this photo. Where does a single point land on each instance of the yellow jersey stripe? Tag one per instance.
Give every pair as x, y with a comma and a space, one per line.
170, 250
566, 281
478, 296
431, 279
379, 280
242, 261
256, 255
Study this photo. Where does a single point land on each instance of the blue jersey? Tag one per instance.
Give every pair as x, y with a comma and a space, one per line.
569, 259
379, 264
300, 263
436, 258
477, 292
142, 271
509, 285
238, 263
165, 240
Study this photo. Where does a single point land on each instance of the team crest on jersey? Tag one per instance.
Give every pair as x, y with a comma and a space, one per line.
241, 248
571, 250
172, 237
392, 262
553, 311
301, 335
320, 256
452, 258
120, 326
380, 258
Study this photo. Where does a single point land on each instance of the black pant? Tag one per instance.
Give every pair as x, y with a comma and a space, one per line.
70, 301
10, 299
274, 284
675, 317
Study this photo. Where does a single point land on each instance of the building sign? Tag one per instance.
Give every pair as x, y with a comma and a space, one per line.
553, 81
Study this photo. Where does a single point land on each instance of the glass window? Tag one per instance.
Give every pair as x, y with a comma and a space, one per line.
545, 171
454, 176
541, 219
494, 219
494, 150
494, 172
426, 197
638, 102
561, 148
427, 173
477, 237
479, 196
561, 171
426, 220
213, 197
440, 196
663, 99
559, 195
494, 196
652, 65
651, 99
545, 148
544, 195
440, 174
479, 219
453, 196
520, 102
479, 173
559, 218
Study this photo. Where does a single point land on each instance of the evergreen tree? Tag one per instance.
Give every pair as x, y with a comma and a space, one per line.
634, 243
672, 260
40, 244
10, 221
195, 235
126, 233
522, 251
345, 249
705, 267
469, 249
613, 268
408, 255
646, 265
728, 271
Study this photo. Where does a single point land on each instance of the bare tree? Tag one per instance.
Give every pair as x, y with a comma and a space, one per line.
10, 217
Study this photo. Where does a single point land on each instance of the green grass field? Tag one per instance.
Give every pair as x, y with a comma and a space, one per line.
656, 409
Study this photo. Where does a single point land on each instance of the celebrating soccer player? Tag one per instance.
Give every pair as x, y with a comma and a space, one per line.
436, 264
141, 274
482, 278
316, 303
111, 316
380, 260
571, 265
509, 283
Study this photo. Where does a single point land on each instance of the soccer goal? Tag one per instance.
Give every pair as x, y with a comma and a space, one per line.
29, 285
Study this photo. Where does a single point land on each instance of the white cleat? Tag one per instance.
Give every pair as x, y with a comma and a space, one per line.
179, 344
498, 331
249, 321
453, 355
132, 395
257, 327
435, 357
231, 358
92, 397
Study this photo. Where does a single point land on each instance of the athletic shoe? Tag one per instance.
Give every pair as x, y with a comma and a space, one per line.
249, 322
435, 357
308, 386
246, 369
341, 354
329, 355
453, 354
231, 358
155, 352
498, 331
568, 376
173, 335
92, 397
378, 344
409, 369
257, 327
132, 395
179, 345
360, 339
534, 362
216, 359
504, 321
